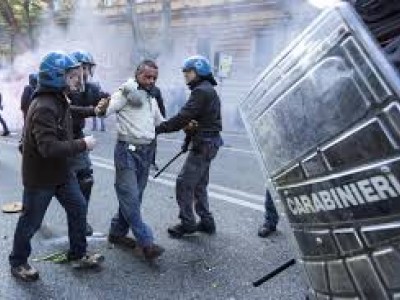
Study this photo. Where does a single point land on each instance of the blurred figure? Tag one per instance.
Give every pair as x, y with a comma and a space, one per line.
26, 98
6, 132
102, 123
271, 217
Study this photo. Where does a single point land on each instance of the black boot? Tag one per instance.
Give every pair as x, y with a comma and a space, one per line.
206, 226
179, 230
265, 230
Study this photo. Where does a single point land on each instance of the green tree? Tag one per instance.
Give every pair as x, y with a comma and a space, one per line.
19, 17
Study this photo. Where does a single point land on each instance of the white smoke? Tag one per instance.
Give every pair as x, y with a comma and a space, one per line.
111, 45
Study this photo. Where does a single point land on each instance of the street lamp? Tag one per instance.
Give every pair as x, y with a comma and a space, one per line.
323, 3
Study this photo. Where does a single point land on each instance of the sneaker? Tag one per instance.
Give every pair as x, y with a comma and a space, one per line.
153, 251
266, 230
89, 230
179, 230
124, 241
25, 272
88, 261
206, 227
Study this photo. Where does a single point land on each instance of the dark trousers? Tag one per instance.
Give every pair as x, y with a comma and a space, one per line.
271, 216
35, 203
192, 182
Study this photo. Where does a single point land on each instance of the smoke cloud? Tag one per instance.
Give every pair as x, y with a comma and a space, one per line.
111, 44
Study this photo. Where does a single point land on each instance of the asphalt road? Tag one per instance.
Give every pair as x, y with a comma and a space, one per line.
222, 266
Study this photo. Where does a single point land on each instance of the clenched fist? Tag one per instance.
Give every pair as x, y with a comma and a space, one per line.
90, 142
191, 127
101, 108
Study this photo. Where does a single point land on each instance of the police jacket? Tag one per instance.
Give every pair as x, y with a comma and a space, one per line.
203, 105
89, 98
48, 140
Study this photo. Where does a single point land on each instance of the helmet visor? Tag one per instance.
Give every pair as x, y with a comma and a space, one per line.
74, 79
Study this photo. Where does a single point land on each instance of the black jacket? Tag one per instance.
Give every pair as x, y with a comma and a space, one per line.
48, 140
89, 98
203, 105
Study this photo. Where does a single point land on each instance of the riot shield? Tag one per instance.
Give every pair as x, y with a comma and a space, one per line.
324, 118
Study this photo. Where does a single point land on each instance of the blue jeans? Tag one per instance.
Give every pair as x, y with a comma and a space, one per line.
35, 203
271, 216
192, 182
131, 175
102, 124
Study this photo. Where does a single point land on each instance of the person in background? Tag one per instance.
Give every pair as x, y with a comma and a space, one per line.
6, 131
26, 98
271, 217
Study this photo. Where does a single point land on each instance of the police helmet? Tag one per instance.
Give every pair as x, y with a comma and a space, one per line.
84, 57
53, 68
199, 64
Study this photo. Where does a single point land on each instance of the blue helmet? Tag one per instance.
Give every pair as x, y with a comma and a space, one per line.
53, 68
199, 64
83, 57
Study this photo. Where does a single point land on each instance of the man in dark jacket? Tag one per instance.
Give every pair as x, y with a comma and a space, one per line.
204, 108
89, 96
26, 98
2, 122
48, 143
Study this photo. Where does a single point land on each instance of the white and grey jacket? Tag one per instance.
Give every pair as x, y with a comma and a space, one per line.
137, 114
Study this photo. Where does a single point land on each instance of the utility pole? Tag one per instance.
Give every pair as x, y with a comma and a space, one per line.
166, 25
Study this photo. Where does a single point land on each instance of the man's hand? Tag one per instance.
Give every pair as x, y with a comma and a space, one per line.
90, 142
191, 127
101, 108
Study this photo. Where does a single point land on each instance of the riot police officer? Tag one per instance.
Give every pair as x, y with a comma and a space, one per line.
204, 108
48, 143
88, 97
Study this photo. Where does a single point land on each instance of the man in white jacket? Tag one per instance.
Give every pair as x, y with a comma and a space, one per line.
137, 115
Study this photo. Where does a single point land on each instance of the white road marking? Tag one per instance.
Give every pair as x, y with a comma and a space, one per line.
107, 164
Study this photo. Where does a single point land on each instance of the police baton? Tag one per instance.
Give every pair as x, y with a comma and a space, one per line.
168, 164
275, 272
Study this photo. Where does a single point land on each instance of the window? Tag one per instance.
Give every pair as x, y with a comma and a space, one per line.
263, 49
108, 2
